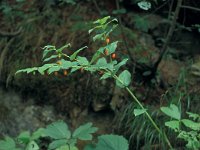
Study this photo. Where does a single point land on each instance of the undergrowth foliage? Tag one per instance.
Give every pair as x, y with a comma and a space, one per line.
104, 63
63, 139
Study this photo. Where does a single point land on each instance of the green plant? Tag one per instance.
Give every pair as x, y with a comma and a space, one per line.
25, 140
187, 129
62, 139
100, 62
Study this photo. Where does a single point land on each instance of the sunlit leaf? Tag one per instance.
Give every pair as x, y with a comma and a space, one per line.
73, 56
63, 47
57, 143
193, 115
58, 130
117, 67
174, 124
32, 146
102, 21
44, 68
191, 124
53, 69
95, 57
37, 134
82, 61
111, 142
84, 132
172, 111
138, 112
47, 49
51, 57
7, 144
144, 5
65, 64
124, 79
105, 76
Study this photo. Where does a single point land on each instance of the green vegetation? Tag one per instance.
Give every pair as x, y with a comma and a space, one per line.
62, 139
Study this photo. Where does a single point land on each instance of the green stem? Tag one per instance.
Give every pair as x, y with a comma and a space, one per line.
147, 114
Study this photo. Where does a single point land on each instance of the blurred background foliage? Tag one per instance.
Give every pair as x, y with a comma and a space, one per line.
28, 25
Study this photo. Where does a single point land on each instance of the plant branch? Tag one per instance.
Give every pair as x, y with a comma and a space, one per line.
190, 7
169, 35
10, 34
147, 114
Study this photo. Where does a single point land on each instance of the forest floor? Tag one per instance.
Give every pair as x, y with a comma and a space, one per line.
32, 101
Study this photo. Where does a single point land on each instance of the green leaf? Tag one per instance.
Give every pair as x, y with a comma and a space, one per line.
113, 27
66, 64
96, 27
57, 143
53, 69
84, 132
58, 130
73, 56
193, 115
51, 57
24, 137
75, 69
63, 47
111, 48
82, 61
191, 124
101, 62
7, 144
102, 21
138, 112
32, 146
44, 68
27, 70
144, 5
172, 111
98, 36
95, 56
37, 134
174, 124
48, 48
124, 79
112, 142
105, 76
191, 138
117, 67
66, 147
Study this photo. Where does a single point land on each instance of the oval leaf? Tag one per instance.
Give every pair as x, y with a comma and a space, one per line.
124, 79
57, 130
138, 112
172, 111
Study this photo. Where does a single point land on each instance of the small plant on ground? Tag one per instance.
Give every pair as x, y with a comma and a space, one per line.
187, 129
63, 139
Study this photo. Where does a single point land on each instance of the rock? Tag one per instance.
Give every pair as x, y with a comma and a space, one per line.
170, 70
17, 116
